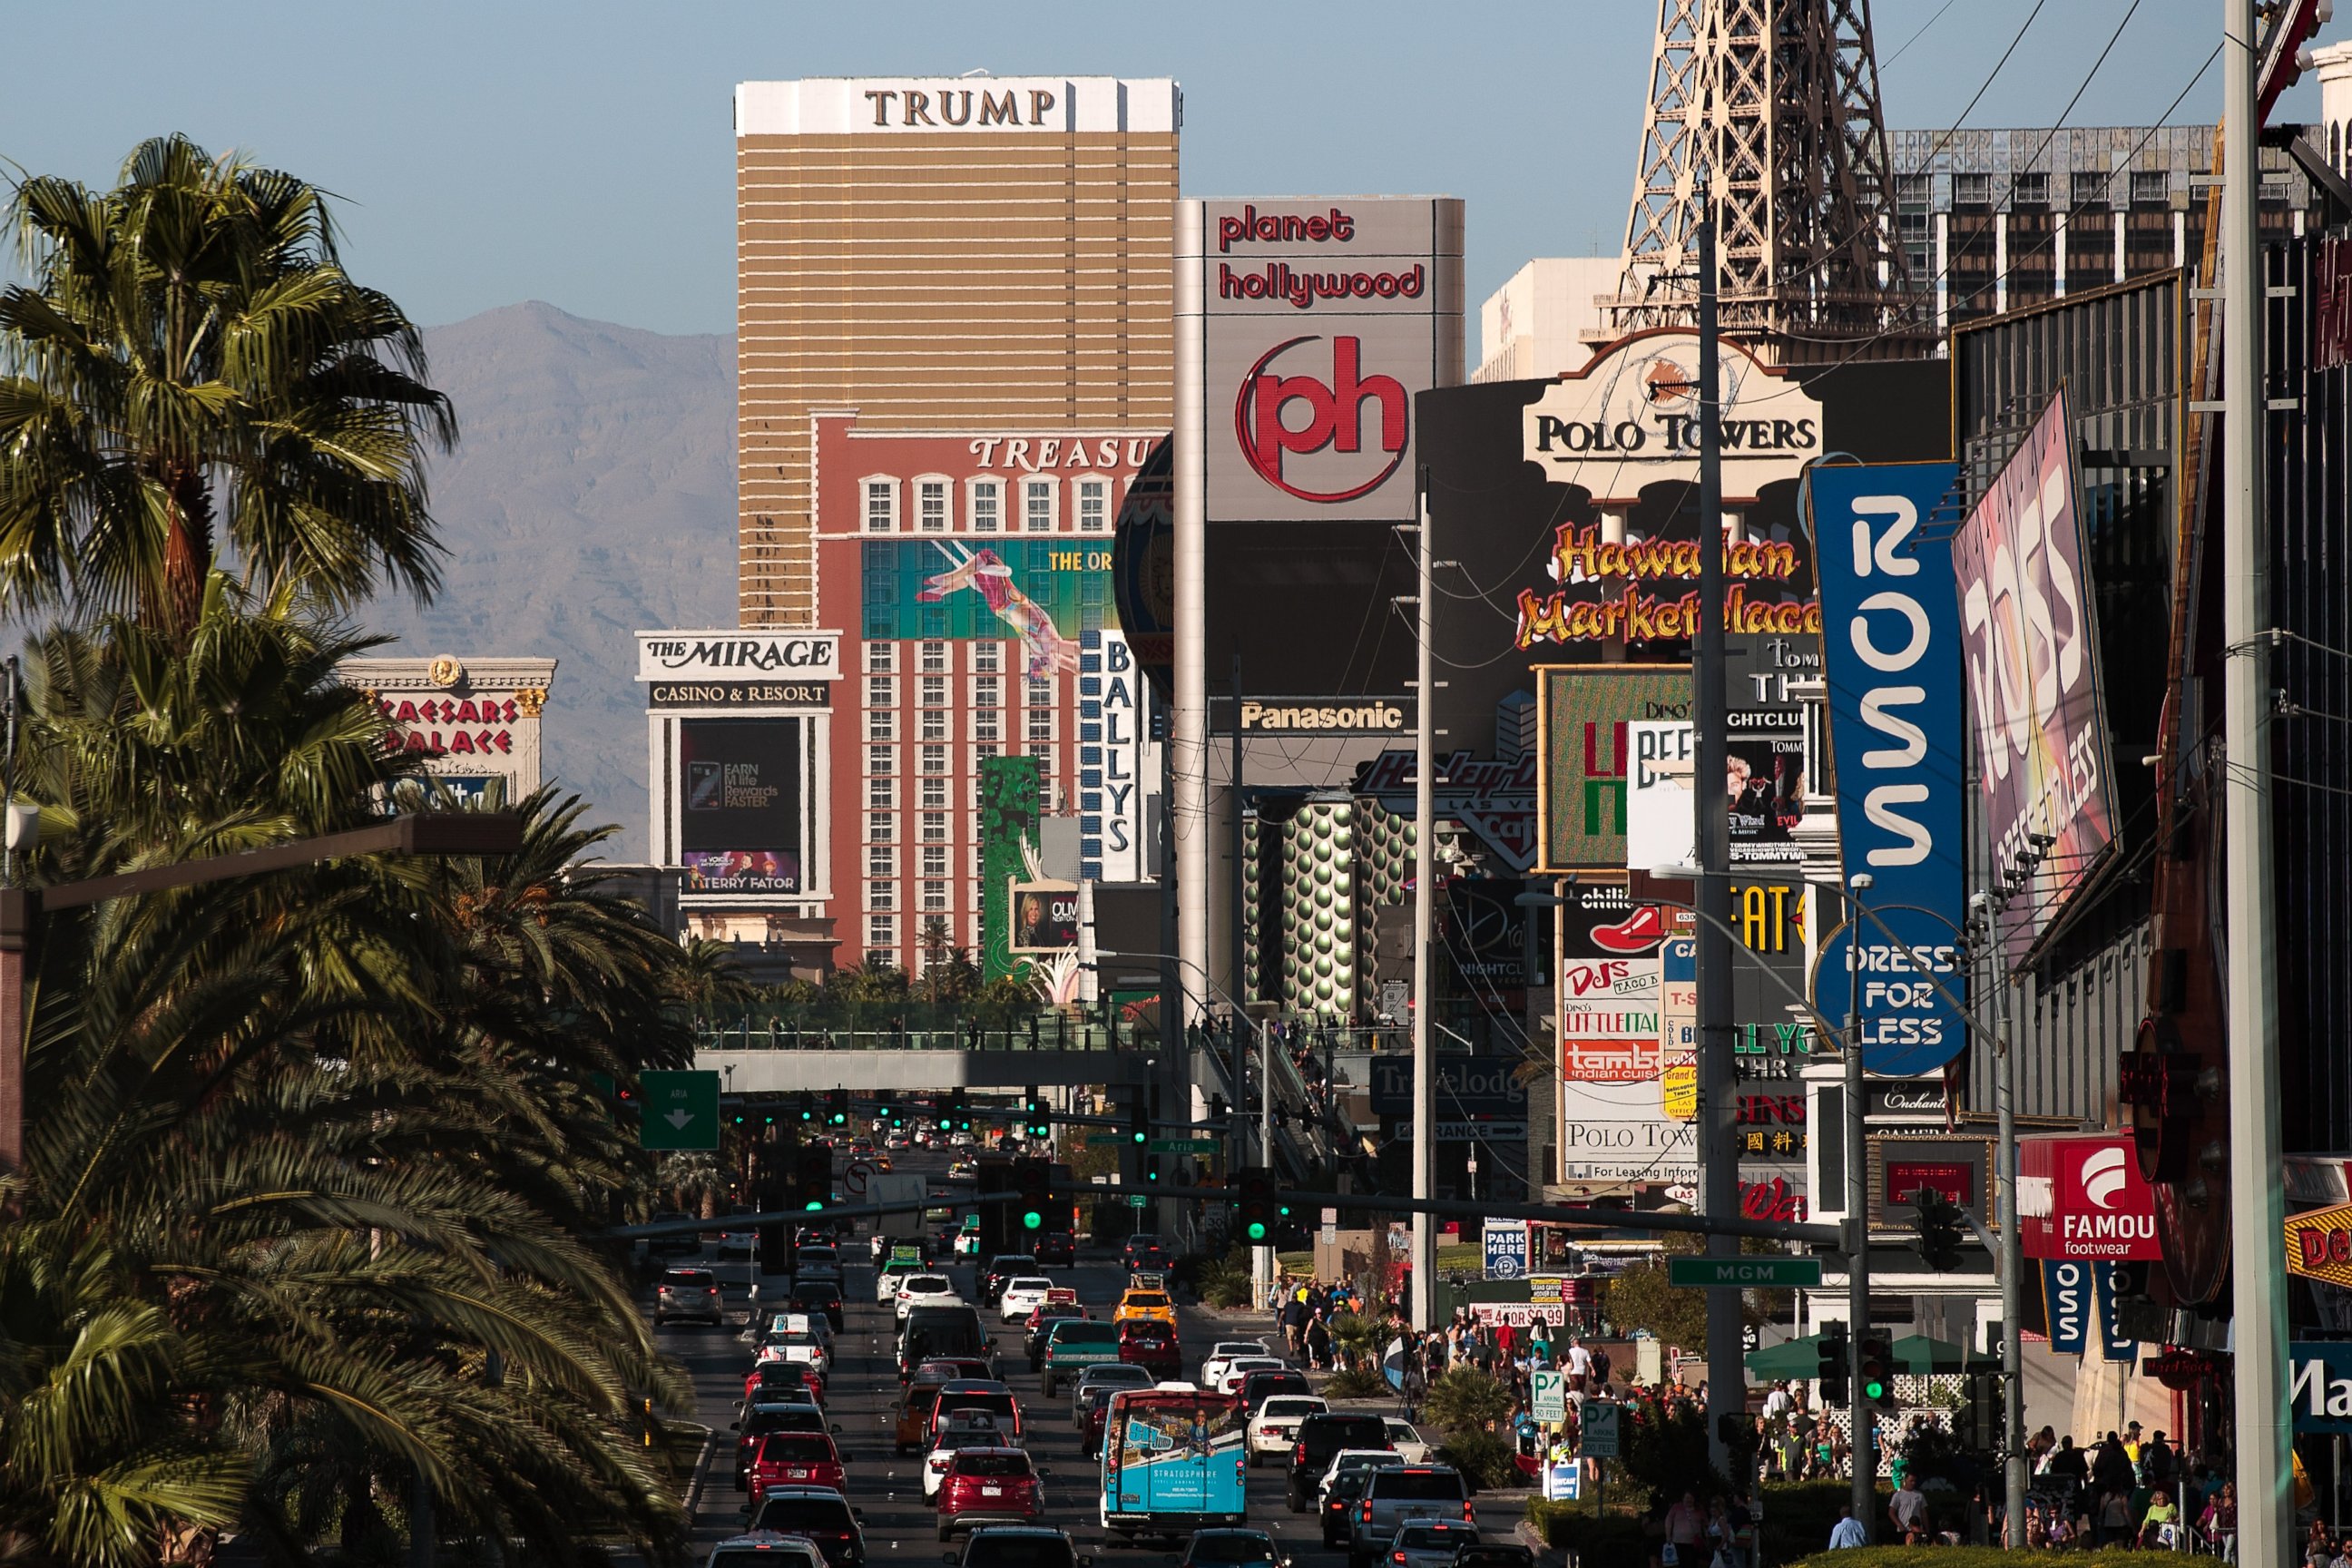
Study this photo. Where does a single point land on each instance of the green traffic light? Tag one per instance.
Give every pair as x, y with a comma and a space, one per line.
814, 1205
1257, 1230
1033, 1220
1874, 1390
1141, 1137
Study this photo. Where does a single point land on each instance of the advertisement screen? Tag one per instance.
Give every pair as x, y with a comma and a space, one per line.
1045, 917
739, 805
1042, 593
1586, 713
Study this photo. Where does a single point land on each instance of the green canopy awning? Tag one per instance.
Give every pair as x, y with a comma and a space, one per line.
1918, 1354
1792, 1358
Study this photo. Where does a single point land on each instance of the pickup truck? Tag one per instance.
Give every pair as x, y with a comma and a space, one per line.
1073, 1345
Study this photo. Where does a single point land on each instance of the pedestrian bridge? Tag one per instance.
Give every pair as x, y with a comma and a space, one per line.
914, 1069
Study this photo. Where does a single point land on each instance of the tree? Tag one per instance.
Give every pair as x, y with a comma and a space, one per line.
1464, 1399
191, 367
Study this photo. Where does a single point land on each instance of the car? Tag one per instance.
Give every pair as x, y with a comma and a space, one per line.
1073, 1345
962, 1170
898, 1141
893, 1274
1041, 1323
1094, 1418
931, 1290
1340, 1494
1406, 1439
967, 1429
1272, 1431
822, 1260
1260, 1384
1401, 1495
737, 1241
970, 1368
1057, 1247
688, 1294
797, 1458
820, 1513
1494, 1554
1111, 1375
766, 1416
935, 1329
1431, 1544
1221, 1355
988, 1486
815, 1325
1021, 1295
1320, 1437
1347, 1460
818, 1298
1241, 1366
1152, 1345
1232, 1547
1153, 1305
1001, 1270
676, 1244
1145, 1251
917, 1402
797, 1345
1021, 1546
767, 1549
781, 1379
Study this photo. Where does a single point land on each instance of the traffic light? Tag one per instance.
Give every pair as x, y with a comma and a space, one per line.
1981, 1426
1837, 1385
1033, 1179
1040, 1121
1877, 1374
808, 1106
1138, 1124
959, 1113
1255, 1210
1939, 1225
775, 1248
813, 1178
837, 1108
1151, 1167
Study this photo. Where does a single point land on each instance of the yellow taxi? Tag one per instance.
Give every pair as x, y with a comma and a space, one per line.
1145, 1305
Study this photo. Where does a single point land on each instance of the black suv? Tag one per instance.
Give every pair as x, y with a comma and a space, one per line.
1002, 1268
1145, 1252
1057, 1246
1020, 1546
1320, 1437
822, 1514
816, 1297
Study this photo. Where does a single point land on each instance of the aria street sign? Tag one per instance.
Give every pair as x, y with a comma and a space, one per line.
1743, 1273
1183, 1146
681, 1109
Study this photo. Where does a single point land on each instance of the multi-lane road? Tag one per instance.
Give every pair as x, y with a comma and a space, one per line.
863, 1396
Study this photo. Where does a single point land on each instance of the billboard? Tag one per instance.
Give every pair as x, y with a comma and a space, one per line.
1042, 593
1583, 713
1045, 917
1009, 799
739, 793
2032, 650
1617, 1085
1319, 320
738, 654
1891, 649
1112, 764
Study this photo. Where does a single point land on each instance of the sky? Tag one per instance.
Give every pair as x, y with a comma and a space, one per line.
581, 152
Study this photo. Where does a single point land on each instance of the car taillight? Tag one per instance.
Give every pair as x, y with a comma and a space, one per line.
1366, 1515
1396, 1556
1465, 1514
1269, 1431
1298, 1454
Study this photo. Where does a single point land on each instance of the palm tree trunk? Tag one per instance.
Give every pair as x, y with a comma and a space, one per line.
188, 552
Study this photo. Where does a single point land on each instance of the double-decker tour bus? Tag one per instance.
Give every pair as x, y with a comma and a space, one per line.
1173, 1461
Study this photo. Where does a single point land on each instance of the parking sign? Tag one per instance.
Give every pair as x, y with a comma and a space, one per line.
1507, 1250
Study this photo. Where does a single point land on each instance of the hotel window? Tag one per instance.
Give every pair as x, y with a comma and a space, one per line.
935, 860
880, 827
987, 505
1041, 724
881, 895
1974, 190
881, 658
935, 724
982, 753
1094, 506
881, 931
935, 795
881, 760
985, 725
1037, 505
879, 723
881, 505
2030, 189
879, 860
935, 759
987, 691
935, 691
881, 793
931, 506
935, 898
1041, 690
2150, 187
983, 657
935, 659
935, 828
881, 691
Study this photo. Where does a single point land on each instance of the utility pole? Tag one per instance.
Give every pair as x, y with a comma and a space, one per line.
1860, 1414
1719, 1152
2012, 1241
2257, 1203
1423, 1306
1262, 1259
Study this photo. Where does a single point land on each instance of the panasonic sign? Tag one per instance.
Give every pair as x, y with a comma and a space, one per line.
1307, 716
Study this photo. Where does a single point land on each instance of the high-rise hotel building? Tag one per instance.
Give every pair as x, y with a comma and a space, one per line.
963, 253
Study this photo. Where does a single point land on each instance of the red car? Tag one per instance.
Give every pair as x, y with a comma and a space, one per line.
796, 1459
1152, 1345
784, 1380
989, 1485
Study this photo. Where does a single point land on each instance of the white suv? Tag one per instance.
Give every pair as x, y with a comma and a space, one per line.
931, 1288
1023, 1296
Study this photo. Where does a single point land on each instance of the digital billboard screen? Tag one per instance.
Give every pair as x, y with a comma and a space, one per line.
1043, 592
739, 805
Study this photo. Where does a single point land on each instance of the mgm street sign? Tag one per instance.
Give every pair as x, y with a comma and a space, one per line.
1743, 1273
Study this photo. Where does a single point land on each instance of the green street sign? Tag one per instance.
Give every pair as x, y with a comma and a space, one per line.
681, 1110
1183, 1146
1549, 1396
1599, 1436
1135, 1200
1743, 1273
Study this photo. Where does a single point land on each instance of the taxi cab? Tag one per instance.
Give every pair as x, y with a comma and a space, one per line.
1145, 1305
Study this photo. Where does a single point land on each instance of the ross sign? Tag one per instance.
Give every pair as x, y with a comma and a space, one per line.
2115, 1345
2319, 1244
738, 656
2319, 1385
1313, 716
2082, 1195
739, 789
681, 1109
1744, 1273
1111, 765
1892, 651
1631, 418
739, 694
1507, 1252
2066, 1303
1599, 1430
2031, 648
1548, 1395
1317, 322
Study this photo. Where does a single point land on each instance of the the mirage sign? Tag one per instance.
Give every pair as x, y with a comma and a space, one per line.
741, 655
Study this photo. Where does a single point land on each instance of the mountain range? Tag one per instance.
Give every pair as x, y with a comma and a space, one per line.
591, 494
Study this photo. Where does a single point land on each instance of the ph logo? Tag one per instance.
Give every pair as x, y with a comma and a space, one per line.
1267, 401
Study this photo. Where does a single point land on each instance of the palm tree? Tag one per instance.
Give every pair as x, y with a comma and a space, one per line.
191, 361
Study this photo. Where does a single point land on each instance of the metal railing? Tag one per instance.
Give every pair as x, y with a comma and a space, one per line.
1042, 1032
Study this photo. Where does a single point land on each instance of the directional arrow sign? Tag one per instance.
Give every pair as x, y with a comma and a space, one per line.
1743, 1273
681, 1109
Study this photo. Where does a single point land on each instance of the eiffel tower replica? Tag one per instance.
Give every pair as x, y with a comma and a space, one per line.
1770, 107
